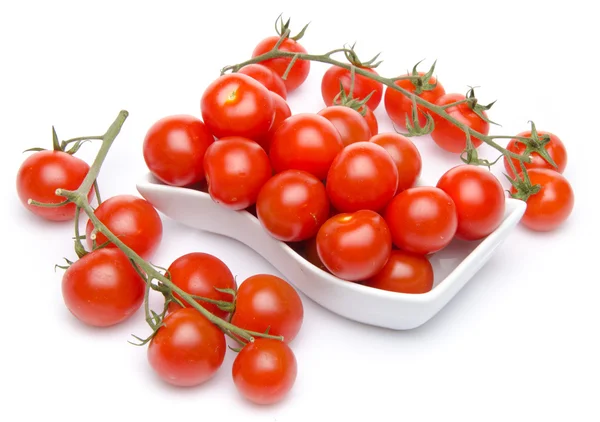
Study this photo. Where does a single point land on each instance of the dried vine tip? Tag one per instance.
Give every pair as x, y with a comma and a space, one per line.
284, 28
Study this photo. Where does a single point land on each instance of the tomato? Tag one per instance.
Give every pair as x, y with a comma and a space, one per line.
236, 169
267, 301
133, 220
311, 254
45, 171
398, 106
282, 112
363, 86
405, 155
422, 219
188, 349
362, 177
174, 149
552, 205
404, 273
292, 205
200, 274
371, 120
237, 105
305, 141
103, 288
271, 80
555, 149
299, 71
265, 371
349, 123
354, 246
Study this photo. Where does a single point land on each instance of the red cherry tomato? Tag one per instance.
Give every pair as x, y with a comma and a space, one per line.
363, 86
555, 148
282, 112
267, 301
188, 349
174, 149
349, 123
237, 105
102, 288
265, 371
133, 220
45, 171
371, 120
354, 246
406, 156
404, 273
236, 169
299, 71
271, 80
362, 177
422, 219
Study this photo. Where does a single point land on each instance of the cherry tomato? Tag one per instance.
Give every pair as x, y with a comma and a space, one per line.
133, 220
45, 171
371, 120
188, 349
265, 371
305, 141
102, 288
363, 86
422, 219
292, 205
555, 148
200, 274
406, 156
362, 177
282, 112
552, 205
450, 137
237, 105
299, 71
349, 123
354, 246
236, 169
174, 149
271, 80
404, 273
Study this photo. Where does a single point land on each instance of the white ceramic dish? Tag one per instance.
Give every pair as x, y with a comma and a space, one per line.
453, 266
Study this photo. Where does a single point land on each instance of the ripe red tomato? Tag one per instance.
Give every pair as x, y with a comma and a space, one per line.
174, 149
552, 205
406, 156
371, 120
133, 220
363, 86
299, 71
354, 246
265, 371
422, 219
200, 274
398, 106
362, 177
282, 112
102, 288
292, 205
555, 148
188, 349
236, 169
305, 141
404, 273
271, 80
479, 198
45, 171
449, 136
237, 105
267, 301
349, 123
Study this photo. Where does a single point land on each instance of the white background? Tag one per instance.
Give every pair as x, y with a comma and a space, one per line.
520, 342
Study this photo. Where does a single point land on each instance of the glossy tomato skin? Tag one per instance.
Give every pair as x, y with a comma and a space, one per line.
237, 105
552, 205
422, 219
556, 150
450, 137
405, 155
102, 288
265, 371
371, 120
292, 206
479, 198
354, 246
362, 177
305, 141
267, 301
174, 149
45, 171
349, 123
271, 80
133, 220
363, 86
187, 350
300, 69
404, 273
282, 112
236, 169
